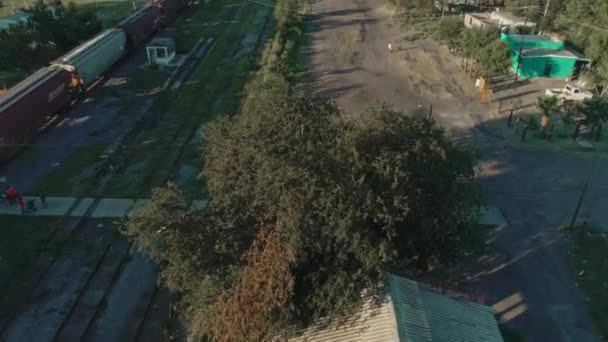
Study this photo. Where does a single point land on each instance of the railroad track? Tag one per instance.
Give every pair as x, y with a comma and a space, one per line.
83, 312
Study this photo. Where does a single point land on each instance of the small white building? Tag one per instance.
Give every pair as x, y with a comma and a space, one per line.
509, 19
161, 51
497, 18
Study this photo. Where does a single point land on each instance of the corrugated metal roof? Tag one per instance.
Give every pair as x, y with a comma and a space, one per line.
373, 323
410, 312
424, 315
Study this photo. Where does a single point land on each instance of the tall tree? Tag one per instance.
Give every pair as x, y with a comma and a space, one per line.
348, 199
247, 311
495, 59
48, 32
547, 105
449, 31
23, 48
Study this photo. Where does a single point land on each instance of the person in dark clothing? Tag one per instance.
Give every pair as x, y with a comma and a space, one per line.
43, 199
21, 204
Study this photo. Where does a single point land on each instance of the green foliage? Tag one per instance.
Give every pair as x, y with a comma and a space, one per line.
49, 32
494, 59
22, 48
347, 199
588, 258
474, 41
595, 113
533, 123
415, 8
547, 104
575, 19
449, 31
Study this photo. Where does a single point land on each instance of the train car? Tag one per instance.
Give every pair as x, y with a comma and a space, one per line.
141, 24
92, 58
25, 107
169, 9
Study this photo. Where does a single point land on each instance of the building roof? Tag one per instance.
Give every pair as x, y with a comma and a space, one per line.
546, 52
409, 312
374, 322
483, 17
425, 315
510, 17
533, 38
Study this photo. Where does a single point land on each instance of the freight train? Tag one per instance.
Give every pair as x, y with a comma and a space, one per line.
28, 105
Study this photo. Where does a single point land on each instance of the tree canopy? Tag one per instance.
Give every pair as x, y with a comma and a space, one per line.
495, 59
48, 32
449, 31
347, 199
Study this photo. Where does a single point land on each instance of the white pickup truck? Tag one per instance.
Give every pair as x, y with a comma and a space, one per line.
569, 93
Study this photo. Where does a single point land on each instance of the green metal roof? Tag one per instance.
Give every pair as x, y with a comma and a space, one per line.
424, 315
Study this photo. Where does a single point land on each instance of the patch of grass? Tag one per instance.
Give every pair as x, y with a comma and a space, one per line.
23, 237
589, 257
109, 12
146, 79
70, 178
510, 335
218, 83
10, 78
561, 140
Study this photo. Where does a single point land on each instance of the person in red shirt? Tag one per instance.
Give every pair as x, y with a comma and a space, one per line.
21, 204
11, 194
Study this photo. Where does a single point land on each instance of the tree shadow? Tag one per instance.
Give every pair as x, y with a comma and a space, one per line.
525, 275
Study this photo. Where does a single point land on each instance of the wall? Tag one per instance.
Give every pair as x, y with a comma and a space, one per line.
535, 66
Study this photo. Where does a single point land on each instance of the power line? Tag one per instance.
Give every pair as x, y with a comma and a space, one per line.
557, 15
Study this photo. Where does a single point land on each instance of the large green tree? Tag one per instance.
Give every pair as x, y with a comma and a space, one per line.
347, 199
449, 31
22, 48
495, 59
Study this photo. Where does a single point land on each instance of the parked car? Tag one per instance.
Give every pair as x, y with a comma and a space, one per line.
569, 93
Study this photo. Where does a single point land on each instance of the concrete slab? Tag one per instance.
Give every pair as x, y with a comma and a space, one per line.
584, 144
113, 207
137, 207
82, 207
200, 204
57, 206
6, 209
492, 216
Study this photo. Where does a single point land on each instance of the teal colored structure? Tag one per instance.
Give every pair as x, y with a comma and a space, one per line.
541, 56
424, 314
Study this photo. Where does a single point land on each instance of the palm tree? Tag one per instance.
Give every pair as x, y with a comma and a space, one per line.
546, 105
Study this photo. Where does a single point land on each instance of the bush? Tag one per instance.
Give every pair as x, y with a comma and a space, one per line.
533, 123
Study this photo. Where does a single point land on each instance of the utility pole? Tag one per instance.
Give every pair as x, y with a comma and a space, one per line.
580, 199
521, 45
542, 23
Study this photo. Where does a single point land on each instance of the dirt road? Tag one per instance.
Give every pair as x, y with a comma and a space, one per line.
529, 284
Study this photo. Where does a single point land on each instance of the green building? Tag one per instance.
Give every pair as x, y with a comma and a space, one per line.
542, 56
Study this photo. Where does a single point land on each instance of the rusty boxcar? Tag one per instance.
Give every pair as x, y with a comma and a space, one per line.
25, 107
169, 9
141, 24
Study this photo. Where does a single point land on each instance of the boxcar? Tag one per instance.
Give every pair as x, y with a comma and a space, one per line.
94, 57
141, 24
25, 107
169, 9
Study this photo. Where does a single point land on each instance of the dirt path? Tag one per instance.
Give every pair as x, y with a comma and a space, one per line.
351, 62
529, 282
